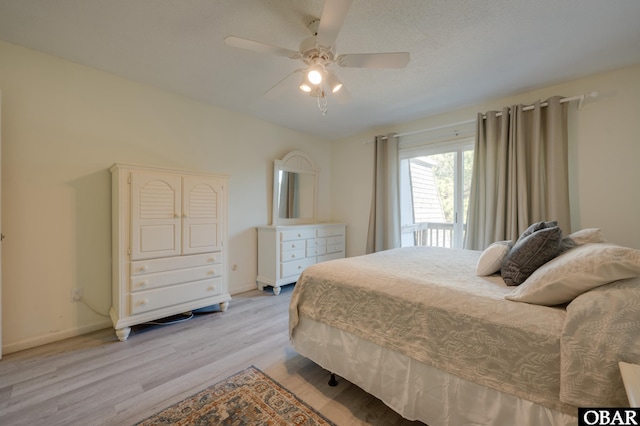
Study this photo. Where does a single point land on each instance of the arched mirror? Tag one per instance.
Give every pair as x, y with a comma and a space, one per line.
295, 189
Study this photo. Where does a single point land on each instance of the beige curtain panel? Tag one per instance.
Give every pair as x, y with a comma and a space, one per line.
520, 172
384, 219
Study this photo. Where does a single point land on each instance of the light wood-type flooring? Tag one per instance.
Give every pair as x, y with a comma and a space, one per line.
96, 380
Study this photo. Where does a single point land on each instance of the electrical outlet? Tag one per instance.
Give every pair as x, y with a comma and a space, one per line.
76, 294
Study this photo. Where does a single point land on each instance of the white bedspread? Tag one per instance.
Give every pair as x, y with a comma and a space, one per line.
428, 304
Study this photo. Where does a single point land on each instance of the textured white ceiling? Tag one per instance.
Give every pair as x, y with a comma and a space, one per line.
462, 51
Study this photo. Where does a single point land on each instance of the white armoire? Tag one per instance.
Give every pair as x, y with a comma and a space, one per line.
169, 244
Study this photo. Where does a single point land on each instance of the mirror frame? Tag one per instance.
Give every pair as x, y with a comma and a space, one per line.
298, 162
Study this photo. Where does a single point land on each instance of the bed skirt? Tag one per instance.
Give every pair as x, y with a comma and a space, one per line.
415, 390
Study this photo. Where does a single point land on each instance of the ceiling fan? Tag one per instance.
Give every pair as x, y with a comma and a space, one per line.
318, 53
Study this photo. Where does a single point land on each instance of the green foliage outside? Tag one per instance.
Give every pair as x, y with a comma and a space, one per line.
444, 174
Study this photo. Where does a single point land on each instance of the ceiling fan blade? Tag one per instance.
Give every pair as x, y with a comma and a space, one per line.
334, 13
280, 87
257, 46
374, 60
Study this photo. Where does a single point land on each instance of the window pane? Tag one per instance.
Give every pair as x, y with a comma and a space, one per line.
468, 170
435, 197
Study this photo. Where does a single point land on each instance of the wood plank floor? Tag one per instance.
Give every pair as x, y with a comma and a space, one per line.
96, 380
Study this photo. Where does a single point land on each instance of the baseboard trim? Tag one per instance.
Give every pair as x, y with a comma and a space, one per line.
54, 337
242, 289
61, 335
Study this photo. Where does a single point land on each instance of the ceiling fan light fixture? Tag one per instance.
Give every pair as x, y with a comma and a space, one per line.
306, 86
315, 73
333, 82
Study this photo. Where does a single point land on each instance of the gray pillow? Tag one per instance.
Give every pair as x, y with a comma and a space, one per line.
529, 253
536, 227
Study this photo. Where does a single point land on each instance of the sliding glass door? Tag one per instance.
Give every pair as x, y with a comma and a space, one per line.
435, 185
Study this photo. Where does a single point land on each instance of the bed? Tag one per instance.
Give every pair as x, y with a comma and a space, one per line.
419, 329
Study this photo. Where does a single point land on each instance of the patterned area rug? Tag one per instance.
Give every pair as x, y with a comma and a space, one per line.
249, 397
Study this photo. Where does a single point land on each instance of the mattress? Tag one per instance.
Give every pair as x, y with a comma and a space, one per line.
413, 389
428, 304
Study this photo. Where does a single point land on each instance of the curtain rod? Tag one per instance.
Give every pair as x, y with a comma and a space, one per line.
580, 98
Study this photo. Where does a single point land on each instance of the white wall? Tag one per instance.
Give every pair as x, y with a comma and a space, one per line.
63, 126
604, 158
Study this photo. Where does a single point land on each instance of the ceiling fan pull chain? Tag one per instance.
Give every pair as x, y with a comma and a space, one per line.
322, 103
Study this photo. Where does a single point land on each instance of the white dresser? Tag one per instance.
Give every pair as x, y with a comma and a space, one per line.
285, 251
169, 244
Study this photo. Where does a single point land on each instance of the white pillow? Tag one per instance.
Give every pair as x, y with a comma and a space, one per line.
577, 271
587, 235
583, 236
491, 258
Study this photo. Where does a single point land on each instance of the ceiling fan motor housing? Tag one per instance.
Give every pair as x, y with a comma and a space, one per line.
313, 53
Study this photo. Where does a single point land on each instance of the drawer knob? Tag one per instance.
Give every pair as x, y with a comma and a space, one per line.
143, 268
211, 288
211, 260
293, 256
143, 302
143, 283
299, 266
211, 272
299, 235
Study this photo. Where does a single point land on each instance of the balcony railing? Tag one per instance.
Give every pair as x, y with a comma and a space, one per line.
430, 234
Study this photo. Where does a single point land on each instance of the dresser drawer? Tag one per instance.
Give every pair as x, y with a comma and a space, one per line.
288, 256
295, 268
297, 234
316, 251
149, 300
172, 263
335, 248
316, 242
330, 232
292, 245
161, 279
335, 240
331, 256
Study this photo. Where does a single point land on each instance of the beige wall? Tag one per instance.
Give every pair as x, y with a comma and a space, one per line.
604, 155
63, 126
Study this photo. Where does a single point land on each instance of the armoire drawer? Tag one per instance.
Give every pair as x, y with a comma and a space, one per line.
144, 301
294, 268
162, 279
172, 263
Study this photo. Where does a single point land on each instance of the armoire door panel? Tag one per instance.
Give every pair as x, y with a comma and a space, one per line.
201, 215
155, 200
157, 238
201, 236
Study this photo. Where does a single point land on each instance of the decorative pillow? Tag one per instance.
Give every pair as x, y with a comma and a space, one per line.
529, 253
491, 258
536, 227
584, 236
577, 271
